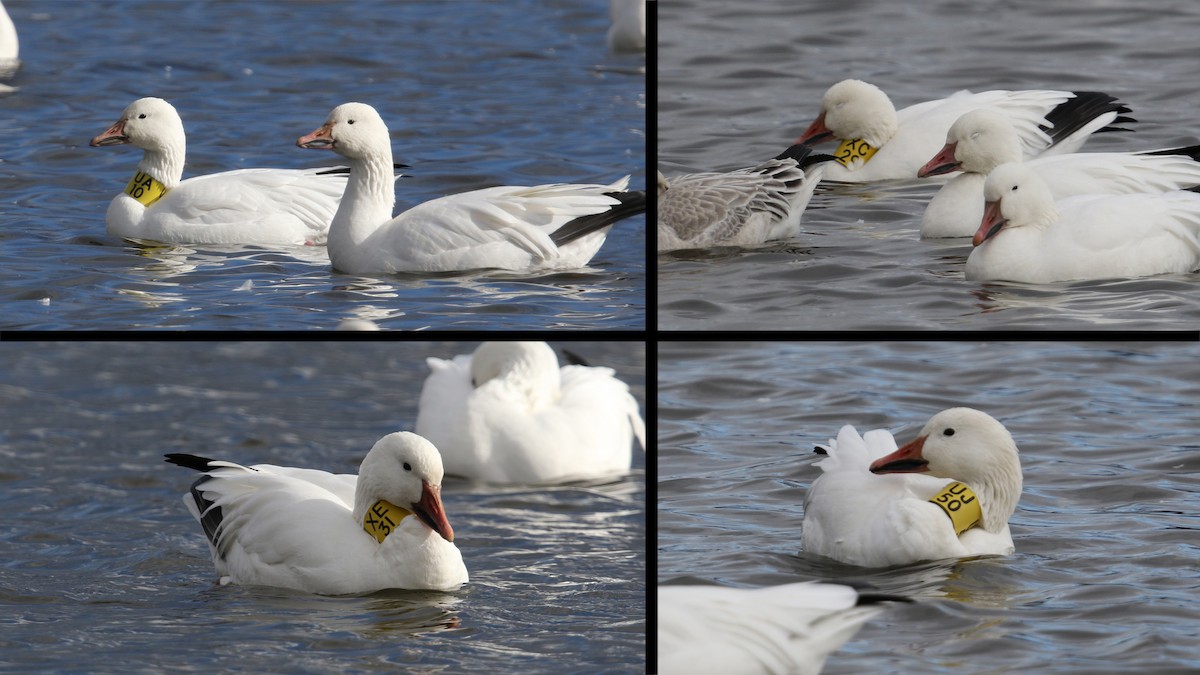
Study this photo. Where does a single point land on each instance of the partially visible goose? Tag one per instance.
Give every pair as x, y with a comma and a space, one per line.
627, 30
546, 227
247, 206
879, 143
875, 505
9, 46
332, 534
1025, 235
791, 628
981, 140
509, 414
745, 207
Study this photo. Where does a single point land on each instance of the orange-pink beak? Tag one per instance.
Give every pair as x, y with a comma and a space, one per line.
429, 510
115, 135
943, 162
907, 459
321, 139
816, 132
992, 222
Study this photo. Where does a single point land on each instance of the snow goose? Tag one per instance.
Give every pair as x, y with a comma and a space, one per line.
9, 46
627, 31
331, 534
1026, 236
790, 628
508, 414
981, 140
745, 207
947, 494
879, 143
547, 227
247, 206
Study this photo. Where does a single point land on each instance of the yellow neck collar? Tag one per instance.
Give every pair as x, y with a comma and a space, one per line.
849, 151
145, 189
961, 504
383, 518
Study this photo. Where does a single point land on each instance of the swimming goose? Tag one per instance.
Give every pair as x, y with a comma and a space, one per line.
509, 414
541, 228
1025, 235
879, 143
981, 140
745, 207
947, 494
246, 206
331, 534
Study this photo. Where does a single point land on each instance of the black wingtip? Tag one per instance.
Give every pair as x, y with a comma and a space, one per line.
877, 598
631, 203
820, 450
1077, 112
189, 461
1192, 151
804, 156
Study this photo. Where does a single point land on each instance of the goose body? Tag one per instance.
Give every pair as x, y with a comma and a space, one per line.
872, 504
897, 143
745, 207
246, 206
981, 140
331, 534
539, 228
1027, 236
509, 414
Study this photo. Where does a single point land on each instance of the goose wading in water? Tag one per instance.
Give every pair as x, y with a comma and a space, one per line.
790, 628
331, 534
947, 494
877, 142
1027, 236
509, 414
540, 228
981, 140
745, 207
246, 206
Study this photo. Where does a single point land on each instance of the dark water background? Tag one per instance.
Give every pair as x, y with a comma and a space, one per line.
475, 94
103, 570
739, 81
1106, 573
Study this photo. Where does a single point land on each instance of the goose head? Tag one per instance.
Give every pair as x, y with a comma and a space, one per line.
1014, 197
148, 123
406, 470
853, 109
353, 130
977, 142
969, 446
529, 369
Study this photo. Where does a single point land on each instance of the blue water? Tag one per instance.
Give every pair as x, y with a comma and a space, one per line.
475, 94
103, 570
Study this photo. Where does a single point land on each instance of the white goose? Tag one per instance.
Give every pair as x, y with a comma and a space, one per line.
875, 505
1026, 236
983, 139
330, 534
546, 227
745, 207
791, 628
879, 143
627, 31
9, 47
247, 206
509, 414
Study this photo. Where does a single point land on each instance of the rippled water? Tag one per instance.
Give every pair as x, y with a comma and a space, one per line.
738, 82
475, 93
1107, 532
102, 568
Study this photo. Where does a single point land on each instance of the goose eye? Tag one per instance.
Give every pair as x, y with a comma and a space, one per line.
948, 432
142, 116
407, 466
349, 121
1014, 188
